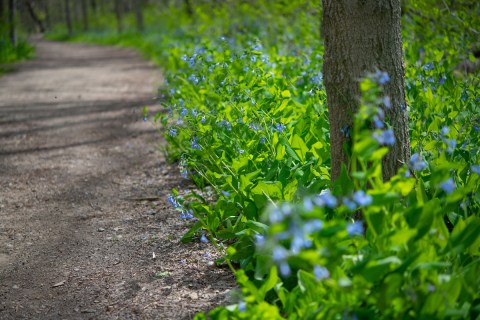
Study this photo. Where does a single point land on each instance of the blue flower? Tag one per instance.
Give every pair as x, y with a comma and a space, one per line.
203, 120
379, 124
355, 228
387, 137
320, 273
259, 240
203, 239
326, 198
445, 130
195, 144
186, 214
361, 198
381, 77
173, 202
416, 163
476, 169
451, 145
448, 186
284, 269
226, 193
242, 306
280, 127
429, 66
173, 132
349, 203
387, 102
262, 140
275, 215
279, 253
312, 226
145, 119
184, 173
345, 130
184, 112
307, 204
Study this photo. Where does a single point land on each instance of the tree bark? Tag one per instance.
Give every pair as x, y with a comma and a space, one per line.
118, 14
138, 5
34, 16
12, 32
362, 36
68, 18
84, 15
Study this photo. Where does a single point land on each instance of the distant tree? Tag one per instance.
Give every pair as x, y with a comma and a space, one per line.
362, 36
138, 6
84, 14
188, 7
33, 14
118, 15
12, 8
68, 17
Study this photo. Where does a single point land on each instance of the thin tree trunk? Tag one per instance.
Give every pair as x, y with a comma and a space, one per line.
12, 32
68, 18
188, 6
2, 9
362, 36
84, 15
48, 18
34, 16
118, 14
139, 15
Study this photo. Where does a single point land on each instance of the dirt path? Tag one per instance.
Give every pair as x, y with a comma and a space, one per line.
74, 151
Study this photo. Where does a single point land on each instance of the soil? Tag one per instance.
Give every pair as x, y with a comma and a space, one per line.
85, 228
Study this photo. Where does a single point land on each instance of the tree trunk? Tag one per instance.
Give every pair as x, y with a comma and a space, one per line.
362, 36
118, 14
85, 15
34, 16
138, 5
68, 18
188, 7
2, 9
12, 32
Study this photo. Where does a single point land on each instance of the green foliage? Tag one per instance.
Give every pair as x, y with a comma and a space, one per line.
247, 122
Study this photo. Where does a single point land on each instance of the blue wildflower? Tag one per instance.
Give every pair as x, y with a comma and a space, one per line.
226, 193
184, 173
279, 253
262, 140
355, 228
416, 163
349, 203
307, 204
387, 102
280, 127
186, 214
171, 199
242, 306
203, 239
275, 215
326, 198
387, 137
184, 112
429, 66
379, 124
203, 120
195, 144
442, 80
320, 273
284, 269
361, 198
312, 226
259, 240
476, 169
448, 186
381, 77
345, 130
445, 130
451, 145
173, 132
145, 119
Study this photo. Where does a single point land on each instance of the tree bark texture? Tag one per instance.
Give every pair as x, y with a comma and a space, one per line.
118, 14
138, 5
362, 36
68, 17
84, 15
12, 32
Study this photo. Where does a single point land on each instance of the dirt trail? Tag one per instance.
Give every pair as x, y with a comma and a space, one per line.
74, 152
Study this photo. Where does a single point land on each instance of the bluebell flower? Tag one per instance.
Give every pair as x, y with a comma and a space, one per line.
379, 124
387, 102
280, 127
451, 145
195, 144
361, 198
194, 112
171, 199
145, 119
320, 273
448, 186
241, 151
381, 77
242, 306
184, 112
386, 137
259, 240
326, 198
349, 203
284, 269
429, 66
416, 163
240, 120
312, 226
226, 193
173, 132
275, 215
445, 130
307, 204
262, 140
184, 173
203, 120
476, 169
430, 79
355, 228
345, 130
203, 239
186, 214
442, 80
279, 253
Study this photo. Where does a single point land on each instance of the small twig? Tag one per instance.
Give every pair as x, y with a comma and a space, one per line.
146, 198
